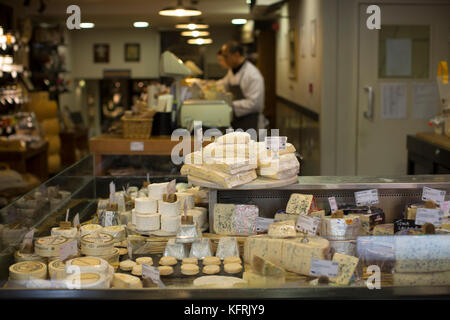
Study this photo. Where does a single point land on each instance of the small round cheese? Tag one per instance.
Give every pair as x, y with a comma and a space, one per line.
97, 244
168, 261
169, 209
137, 270
190, 261
28, 270
49, 246
90, 228
126, 281
233, 259
232, 268
127, 265
145, 260
123, 251
165, 270
211, 260
189, 269
211, 269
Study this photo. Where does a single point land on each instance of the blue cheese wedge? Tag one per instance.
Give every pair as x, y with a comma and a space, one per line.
299, 203
347, 266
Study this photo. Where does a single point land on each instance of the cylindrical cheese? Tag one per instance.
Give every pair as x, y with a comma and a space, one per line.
145, 205
27, 270
170, 223
87, 264
57, 270
49, 246
126, 281
185, 197
112, 259
19, 257
169, 208
90, 228
68, 233
148, 222
91, 280
156, 190
118, 232
97, 244
199, 216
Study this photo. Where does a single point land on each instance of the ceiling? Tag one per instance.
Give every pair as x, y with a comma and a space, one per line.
122, 13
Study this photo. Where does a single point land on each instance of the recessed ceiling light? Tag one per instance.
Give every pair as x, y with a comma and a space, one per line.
87, 25
192, 26
239, 21
140, 24
200, 41
195, 33
180, 11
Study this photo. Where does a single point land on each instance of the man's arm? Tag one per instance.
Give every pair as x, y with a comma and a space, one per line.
253, 89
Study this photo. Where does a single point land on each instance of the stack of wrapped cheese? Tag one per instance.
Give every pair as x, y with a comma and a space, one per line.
228, 162
279, 166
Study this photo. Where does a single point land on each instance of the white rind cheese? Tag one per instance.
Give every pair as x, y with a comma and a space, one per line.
68, 233
234, 138
49, 246
90, 280
28, 270
87, 264
148, 222
347, 228
19, 257
219, 282
57, 270
170, 224
199, 216
98, 244
126, 281
90, 228
117, 232
185, 197
171, 209
145, 206
156, 190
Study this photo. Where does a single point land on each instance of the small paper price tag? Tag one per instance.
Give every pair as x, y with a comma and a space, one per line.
445, 206
67, 214
109, 217
435, 195
152, 273
275, 143
130, 251
76, 220
262, 224
366, 197
171, 187
28, 239
309, 225
433, 216
325, 268
68, 249
333, 204
136, 146
112, 192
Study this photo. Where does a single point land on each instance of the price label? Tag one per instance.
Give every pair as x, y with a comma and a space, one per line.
108, 219
445, 206
325, 268
262, 224
333, 204
276, 143
68, 249
28, 239
130, 251
67, 214
366, 198
76, 220
152, 273
148, 177
434, 195
433, 216
112, 192
136, 146
309, 225
171, 187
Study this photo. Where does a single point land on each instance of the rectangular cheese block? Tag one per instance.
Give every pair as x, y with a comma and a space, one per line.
282, 229
383, 229
421, 279
291, 254
347, 266
222, 179
231, 219
422, 253
285, 216
318, 214
299, 203
224, 218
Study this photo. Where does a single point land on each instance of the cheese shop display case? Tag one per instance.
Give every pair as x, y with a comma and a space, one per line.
84, 236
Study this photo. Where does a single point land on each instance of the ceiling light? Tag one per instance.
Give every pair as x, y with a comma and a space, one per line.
140, 24
87, 25
239, 21
192, 26
195, 33
179, 11
200, 41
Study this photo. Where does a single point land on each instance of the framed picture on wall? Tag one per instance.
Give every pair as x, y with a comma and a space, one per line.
101, 53
293, 53
132, 52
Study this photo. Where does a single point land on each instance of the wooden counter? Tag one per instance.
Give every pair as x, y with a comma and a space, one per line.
108, 144
428, 153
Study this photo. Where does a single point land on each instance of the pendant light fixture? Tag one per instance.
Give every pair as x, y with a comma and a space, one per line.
200, 41
195, 33
180, 11
192, 26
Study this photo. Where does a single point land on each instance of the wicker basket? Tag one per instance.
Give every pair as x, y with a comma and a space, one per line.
137, 127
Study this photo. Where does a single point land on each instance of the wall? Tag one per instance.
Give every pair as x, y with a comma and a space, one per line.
82, 42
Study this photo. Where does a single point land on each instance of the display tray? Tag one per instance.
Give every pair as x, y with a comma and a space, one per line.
258, 183
177, 278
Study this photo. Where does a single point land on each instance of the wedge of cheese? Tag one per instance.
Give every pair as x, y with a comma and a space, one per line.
347, 266
299, 203
234, 138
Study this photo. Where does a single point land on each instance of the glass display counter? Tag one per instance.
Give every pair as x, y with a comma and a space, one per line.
77, 190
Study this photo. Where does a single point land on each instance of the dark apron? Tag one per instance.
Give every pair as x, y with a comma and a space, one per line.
249, 121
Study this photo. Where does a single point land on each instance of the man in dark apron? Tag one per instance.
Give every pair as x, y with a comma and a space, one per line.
246, 85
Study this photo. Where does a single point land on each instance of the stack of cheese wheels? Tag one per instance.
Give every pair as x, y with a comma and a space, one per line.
156, 191
283, 165
49, 246
57, 270
145, 214
97, 244
70, 233
88, 273
199, 215
28, 270
20, 256
170, 215
90, 228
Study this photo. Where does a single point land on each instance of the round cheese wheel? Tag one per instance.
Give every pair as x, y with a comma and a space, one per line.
49, 246
27, 270
145, 205
126, 281
97, 244
19, 257
127, 265
168, 261
211, 260
90, 228
189, 269
57, 270
118, 232
148, 222
169, 208
145, 260
87, 264
165, 270
68, 233
170, 224
137, 270
211, 269
90, 280
112, 258
232, 268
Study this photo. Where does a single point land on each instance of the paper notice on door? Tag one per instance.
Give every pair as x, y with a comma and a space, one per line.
425, 100
393, 100
398, 57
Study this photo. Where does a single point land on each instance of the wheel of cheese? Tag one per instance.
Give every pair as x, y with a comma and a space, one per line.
137, 270
211, 269
232, 268
148, 222
123, 251
198, 216
211, 260
87, 264
68, 233
168, 261
118, 232
19, 257
126, 281
27, 270
97, 244
90, 228
145, 260
169, 209
49, 246
90, 280
156, 190
185, 197
112, 259
127, 265
170, 224
189, 269
145, 205
165, 270
57, 270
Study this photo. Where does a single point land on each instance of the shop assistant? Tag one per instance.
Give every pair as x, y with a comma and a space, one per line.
246, 84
